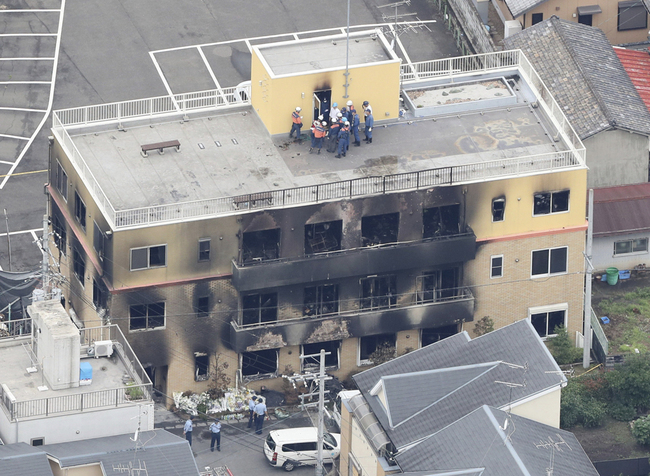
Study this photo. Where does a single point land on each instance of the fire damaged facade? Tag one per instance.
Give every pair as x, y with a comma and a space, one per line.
209, 238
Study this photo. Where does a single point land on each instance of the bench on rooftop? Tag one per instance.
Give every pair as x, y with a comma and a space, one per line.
160, 147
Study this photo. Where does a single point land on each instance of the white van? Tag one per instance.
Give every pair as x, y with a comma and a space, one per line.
293, 447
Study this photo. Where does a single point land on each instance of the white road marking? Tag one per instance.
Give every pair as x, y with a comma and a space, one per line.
34, 235
9, 136
25, 82
22, 232
51, 98
27, 59
30, 10
164, 80
25, 109
207, 65
5, 162
27, 34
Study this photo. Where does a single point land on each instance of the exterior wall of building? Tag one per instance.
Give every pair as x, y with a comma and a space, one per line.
603, 252
510, 297
363, 453
274, 99
566, 9
544, 409
616, 158
85, 470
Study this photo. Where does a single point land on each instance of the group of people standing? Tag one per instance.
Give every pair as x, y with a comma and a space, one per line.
336, 132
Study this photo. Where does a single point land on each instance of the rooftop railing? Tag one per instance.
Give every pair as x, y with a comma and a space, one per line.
453, 68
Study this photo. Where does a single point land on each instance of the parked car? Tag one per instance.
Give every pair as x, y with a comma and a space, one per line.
293, 447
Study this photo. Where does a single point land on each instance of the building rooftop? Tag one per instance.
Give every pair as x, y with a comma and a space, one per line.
20, 458
306, 56
519, 7
623, 209
637, 67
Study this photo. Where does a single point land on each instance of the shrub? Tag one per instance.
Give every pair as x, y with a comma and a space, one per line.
621, 412
383, 353
563, 350
593, 413
641, 430
202, 410
577, 406
483, 326
630, 383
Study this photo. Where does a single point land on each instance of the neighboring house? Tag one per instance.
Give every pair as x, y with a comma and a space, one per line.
622, 21
154, 453
488, 405
621, 227
238, 244
584, 75
60, 384
637, 67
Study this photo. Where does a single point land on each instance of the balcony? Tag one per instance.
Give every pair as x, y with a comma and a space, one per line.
382, 259
406, 314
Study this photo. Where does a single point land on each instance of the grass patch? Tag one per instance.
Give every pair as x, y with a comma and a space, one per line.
629, 315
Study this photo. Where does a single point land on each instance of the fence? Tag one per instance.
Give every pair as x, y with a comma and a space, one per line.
15, 328
600, 345
627, 467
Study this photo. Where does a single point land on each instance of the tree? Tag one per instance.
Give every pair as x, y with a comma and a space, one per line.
483, 326
383, 353
220, 380
562, 348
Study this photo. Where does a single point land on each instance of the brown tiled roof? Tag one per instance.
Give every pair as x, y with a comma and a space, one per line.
619, 210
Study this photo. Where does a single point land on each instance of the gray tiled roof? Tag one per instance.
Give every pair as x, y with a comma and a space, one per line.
519, 7
161, 452
517, 344
20, 459
481, 440
578, 65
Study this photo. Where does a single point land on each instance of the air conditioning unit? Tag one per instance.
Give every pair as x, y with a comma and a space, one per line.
103, 348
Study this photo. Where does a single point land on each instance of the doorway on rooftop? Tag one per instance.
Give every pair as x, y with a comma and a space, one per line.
322, 101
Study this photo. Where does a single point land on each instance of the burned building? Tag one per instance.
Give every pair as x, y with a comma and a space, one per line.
192, 223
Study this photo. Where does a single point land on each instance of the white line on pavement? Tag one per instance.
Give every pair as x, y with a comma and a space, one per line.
25, 109
31, 10
5, 162
27, 34
9, 136
21, 232
27, 59
25, 82
207, 65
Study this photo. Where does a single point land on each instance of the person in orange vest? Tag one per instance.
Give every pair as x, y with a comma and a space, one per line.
297, 124
319, 135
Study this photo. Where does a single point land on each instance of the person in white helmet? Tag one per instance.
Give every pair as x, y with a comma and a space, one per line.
297, 124
351, 111
334, 111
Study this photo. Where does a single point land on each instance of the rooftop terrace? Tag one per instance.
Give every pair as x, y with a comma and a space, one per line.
228, 163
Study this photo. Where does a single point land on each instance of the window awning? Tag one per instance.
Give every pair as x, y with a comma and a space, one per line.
589, 10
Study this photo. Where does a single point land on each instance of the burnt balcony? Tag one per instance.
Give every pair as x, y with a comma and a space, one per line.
379, 259
412, 311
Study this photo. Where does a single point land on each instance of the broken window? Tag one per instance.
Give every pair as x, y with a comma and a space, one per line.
323, 237
437, 285
369, 344
313, 363
80, 210
496, 266
545, 321
434, 334
204, 249
378, 292
261, 245
146, 316
99, 295
259, 308
441, 221
79, 264
98, 240
550, 202
321, 300
148, 257
203, 306
201, 366
61, 181
550, 261
639, 245
498, 209
260, 363
59, 229
379, 229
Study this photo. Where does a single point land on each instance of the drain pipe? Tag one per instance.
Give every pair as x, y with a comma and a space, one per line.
347, 56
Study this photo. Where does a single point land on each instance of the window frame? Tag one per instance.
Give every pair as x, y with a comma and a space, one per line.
259, 376
631, 241
203, 376
147, 328
209, 250
76, 253
98, 235
78, 203
60, 171
59, 228
362, 362
532, 18
259, 308
148, 248
492, 266
199, 311
548, 267
306, 367
375, 300
548, 309
99, 296
551, 212
318, 303
499, 200
625, 6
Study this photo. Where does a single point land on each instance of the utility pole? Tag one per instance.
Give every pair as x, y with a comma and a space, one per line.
347, 56
586, 351
8, 239
46, 255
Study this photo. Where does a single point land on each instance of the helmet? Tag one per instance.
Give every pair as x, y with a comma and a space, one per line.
335, 104
365, 103
338, 114
346, 122
298, 109
320, 118
324, 123
368, 111
349, 103
343, 109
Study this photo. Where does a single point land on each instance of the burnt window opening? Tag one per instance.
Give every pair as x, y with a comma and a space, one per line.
261, 245
59, 229
204, 249
546, 203
78, 263
369, 344
441, 221
259, 308
201, 366
434, 334
438, 285
378, 292
99, 294
98, 240
146, 316
379, 229
80, 210
321, 300
498, 209
323, 237
313, 363
259, 364
203, 306
61, 180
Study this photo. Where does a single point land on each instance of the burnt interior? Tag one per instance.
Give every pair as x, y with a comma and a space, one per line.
321, 300
441, 221
323, 237
203, 306
498, 209
313, 363
261, 245
437, 285
259, 363
259, 308
379, 229
201, 365
434, 334
368, 344
378, 292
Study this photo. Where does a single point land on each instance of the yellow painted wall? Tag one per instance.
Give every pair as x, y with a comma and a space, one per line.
86, 470
519, 194
275, 99
545, 409
363, 451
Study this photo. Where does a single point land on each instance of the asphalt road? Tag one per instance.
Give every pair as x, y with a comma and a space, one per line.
104, 56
